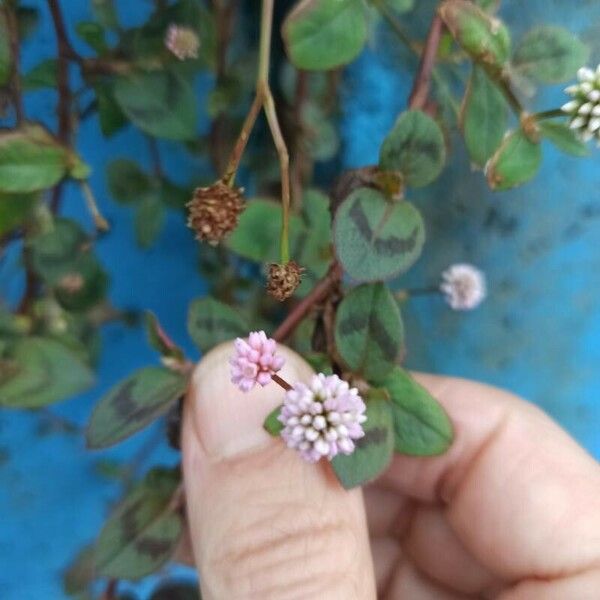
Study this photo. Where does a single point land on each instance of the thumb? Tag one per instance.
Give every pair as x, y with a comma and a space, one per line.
264, 523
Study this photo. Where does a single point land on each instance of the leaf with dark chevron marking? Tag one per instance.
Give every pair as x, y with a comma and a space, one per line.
375, 238
373, 451
369, 330
133, 404
211, 322
143, 532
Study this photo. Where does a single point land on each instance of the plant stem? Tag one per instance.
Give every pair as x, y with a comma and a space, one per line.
505, 87
284, 164
15, 53
264, 53
281, 382
318, 294
99, 221
155, 157
549, 114
420, 91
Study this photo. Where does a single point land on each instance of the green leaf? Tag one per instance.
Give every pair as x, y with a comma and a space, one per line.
133, 404
374, 238
143, 532
325, 34
110, 115
421, 426
92, 34
5, 57
563, 137
149, 220
415, 147
40, 371
488, 5
14, 210
80, 573
160, 103
105, 13
369, 330
515, 162
485, 38
272, 424
176, 590
484, 117
373, 452
126, 181
30, 160
550, 54
400, 6
159, 340
211, 322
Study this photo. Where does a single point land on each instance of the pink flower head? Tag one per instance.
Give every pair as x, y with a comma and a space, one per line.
183, 42
322, 418
255, 360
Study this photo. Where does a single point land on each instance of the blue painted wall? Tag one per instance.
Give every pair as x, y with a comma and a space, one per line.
538, 334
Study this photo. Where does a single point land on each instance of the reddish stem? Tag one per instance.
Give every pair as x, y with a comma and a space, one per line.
15, 81
281, 382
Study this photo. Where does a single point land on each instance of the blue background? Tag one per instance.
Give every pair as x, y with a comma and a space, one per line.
538, 334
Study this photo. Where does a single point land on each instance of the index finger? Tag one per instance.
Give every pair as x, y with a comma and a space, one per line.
520, 494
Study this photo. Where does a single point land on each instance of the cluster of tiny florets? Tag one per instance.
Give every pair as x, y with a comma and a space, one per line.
463, 286
322, 418
183, 42
584, 108
255, 361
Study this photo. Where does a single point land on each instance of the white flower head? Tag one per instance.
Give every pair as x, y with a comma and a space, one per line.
584, 106
463, 286
183, 42
323, 418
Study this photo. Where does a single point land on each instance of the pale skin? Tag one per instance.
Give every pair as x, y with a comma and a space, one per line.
511, 511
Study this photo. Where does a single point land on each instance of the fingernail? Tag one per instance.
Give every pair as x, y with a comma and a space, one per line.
228, 421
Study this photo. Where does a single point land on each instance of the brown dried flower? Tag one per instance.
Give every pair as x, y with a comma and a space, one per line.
283, 280
214, 211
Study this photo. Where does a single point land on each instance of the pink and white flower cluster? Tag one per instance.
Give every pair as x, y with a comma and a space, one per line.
323, 418
320, 419
255, 360
181, 41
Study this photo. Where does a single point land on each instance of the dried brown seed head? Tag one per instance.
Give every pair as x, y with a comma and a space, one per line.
283, 279
214, 211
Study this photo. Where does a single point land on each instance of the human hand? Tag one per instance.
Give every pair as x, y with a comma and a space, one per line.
511, 511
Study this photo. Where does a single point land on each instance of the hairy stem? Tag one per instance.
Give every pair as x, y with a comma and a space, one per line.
549, 114
420, 91
99, 221
318, 294
15, 54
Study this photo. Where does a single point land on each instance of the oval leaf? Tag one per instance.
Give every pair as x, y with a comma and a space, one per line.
142, 534
14, 210
516, 161
415, 147
211, 322
5, 57
484, 117
563, 137
550, 54
421, 426
482, 36
375, 239
324, 34
133, 404
373, 452
159, 103
126, 180
30, 160
369, 330
41, 371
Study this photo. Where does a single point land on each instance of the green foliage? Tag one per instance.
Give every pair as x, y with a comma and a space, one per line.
515, 162
484, 117
14, 210
31, 160
80, 573
375, 238
325, 34
158, 339
373, 452
160, 103
414, 147
272, 424
211, 322
550, 54
369, 330
110, 115
43, 75
126, 181
483, 37
93, 35
149, 219
563, 138
142, 533
5, 57
133, 404
39, 371
421, 426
